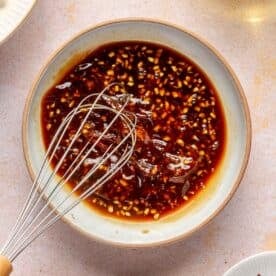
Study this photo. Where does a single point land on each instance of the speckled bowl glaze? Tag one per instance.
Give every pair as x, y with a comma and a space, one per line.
227, 176
260, 264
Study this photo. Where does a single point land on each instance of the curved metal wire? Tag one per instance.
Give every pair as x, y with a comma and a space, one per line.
35, 217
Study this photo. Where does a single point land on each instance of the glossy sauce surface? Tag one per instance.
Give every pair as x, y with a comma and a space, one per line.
180, 129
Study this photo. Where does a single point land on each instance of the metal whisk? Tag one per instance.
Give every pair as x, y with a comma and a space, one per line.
35, 216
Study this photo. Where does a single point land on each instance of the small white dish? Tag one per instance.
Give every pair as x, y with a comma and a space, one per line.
12, 15
262, 264
225, 180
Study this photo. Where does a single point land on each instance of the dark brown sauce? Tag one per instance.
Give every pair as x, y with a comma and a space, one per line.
180, 130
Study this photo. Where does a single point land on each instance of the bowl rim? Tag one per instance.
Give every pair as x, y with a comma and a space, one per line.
244, 105
20, 23
247, 260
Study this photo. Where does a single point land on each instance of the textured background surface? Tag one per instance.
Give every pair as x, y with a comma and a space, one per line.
245, 36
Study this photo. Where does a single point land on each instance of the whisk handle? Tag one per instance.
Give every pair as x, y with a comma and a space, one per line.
5, 266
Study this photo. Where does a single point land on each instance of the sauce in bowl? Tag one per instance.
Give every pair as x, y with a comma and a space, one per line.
180, 129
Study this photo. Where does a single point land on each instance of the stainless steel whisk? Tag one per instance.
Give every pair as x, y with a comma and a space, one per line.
35, 216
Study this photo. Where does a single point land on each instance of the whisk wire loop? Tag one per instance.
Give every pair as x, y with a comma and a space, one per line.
35, 217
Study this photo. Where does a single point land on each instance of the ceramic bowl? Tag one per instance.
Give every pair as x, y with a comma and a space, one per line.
12, 15
261, 264
227, 176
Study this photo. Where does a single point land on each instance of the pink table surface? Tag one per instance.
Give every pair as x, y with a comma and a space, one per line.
245, 35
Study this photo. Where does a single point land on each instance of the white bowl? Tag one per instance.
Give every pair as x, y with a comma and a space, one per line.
263, 264
12, 15
227, 176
